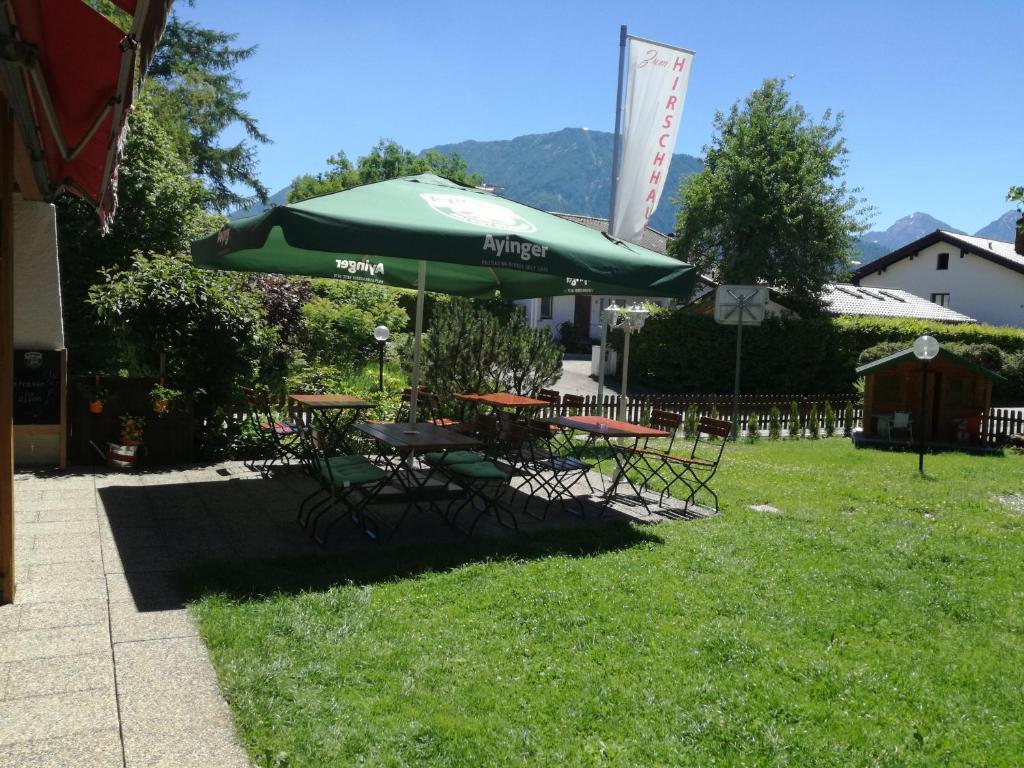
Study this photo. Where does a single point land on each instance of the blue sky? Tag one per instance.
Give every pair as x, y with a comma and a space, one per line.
932, 92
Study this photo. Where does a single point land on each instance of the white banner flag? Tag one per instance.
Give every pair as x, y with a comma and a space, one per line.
657, 76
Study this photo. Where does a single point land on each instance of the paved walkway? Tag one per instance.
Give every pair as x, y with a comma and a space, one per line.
100, 663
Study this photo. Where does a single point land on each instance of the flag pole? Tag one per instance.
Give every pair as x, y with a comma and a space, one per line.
617, 141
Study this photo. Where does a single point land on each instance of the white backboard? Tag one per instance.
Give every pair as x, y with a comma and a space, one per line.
734, 301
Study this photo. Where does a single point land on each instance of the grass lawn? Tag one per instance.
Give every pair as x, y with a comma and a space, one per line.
875, 620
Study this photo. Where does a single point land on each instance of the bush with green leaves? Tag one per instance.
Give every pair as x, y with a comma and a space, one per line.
211, 329
795, 427
830, 420
774, 424
690, 422
813, 427
790, 355
340, 317
848, 419
470, 349
754, 426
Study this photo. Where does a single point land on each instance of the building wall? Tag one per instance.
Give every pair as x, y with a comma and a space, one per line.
564, 310
977, 287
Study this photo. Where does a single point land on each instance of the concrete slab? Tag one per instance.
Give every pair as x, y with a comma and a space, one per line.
65, 674
98, 748
77, 613
200, 747
50, 643
62, 590
145, 667
128, 624
57, 716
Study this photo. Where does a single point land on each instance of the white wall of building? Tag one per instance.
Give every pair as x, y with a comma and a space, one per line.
563, 310
977, 287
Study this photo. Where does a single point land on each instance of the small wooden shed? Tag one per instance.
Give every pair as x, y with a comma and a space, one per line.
957, 395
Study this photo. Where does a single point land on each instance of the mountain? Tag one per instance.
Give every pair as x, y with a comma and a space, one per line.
1003, 228
278, 198
874, 245
568, 171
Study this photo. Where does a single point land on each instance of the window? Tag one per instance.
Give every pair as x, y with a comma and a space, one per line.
546, 305
943, 261
942, 299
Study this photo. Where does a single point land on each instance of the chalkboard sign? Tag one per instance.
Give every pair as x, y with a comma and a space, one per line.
37, 390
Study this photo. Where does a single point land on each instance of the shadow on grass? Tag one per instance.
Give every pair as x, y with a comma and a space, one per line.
258, 580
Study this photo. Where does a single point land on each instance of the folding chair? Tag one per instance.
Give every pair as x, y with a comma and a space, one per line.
279, 439
902, 421
350, 481
548, 473
484, 482
694, 471
634, 457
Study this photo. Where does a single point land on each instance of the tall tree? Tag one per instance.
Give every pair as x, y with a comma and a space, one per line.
194, 91
387, 160
771, 204
1016, 194
160, 210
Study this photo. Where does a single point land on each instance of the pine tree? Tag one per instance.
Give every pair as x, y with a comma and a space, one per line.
830, 420
795, 429
848, 419
812, 422
774, 424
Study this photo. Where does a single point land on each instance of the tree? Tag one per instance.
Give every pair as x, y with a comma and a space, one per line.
193, 90
387, 160
1016, 194
160, 210
771, 205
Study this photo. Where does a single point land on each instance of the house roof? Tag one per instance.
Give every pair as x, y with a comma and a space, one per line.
997, 251
652, 239
908, 354
849, 299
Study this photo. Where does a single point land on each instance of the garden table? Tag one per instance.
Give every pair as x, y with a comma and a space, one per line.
408, 441
601, 428
335, 413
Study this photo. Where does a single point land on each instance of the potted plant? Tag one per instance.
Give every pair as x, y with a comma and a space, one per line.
162, 397
125, 452
96, 396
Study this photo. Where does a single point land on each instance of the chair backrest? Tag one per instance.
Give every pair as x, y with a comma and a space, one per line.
552, 396
667, 421
258, 400
712, 435
901, 420
573, 402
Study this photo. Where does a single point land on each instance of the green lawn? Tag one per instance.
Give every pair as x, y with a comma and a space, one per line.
875, 620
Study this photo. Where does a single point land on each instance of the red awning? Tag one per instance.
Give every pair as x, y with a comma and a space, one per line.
71, 75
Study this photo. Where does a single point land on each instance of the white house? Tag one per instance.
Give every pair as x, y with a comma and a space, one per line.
975, 276
585, 309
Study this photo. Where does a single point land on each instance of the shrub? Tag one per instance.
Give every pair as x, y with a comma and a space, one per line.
795, 429
690, 422
812, 422
469, 349
774, 424
848, 419
211, 328
830, 420
754, 427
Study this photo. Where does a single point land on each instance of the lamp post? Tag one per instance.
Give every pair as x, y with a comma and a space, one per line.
636, 316
609, 318
381, 333
925, 348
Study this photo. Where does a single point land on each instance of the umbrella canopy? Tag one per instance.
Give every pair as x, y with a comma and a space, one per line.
473, 241
432, 234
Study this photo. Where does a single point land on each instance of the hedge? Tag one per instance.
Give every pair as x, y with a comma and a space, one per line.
680, 352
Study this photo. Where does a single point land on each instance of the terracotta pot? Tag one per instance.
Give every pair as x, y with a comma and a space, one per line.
96, 406
159, 406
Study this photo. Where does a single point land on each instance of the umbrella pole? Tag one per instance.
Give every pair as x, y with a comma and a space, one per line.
417, 337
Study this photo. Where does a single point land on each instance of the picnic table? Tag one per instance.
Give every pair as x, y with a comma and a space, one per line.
407, 441
333, 414
601, 428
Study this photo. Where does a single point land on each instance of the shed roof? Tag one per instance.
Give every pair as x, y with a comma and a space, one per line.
908, 355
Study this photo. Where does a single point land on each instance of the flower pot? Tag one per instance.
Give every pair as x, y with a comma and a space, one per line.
122, 456
160, 406
96, 406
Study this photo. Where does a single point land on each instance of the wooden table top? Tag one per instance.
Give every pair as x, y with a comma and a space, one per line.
599, 425
426, 437
330, 401
503, 400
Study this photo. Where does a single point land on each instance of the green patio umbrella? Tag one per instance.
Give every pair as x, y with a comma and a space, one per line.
432, 234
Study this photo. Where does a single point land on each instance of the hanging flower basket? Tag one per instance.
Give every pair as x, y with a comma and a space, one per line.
95, 406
